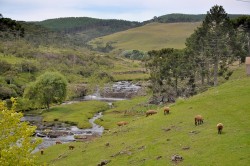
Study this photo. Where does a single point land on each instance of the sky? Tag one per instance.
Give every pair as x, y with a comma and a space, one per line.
132, 10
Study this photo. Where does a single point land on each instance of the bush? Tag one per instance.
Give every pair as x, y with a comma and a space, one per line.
7, 93
4, 66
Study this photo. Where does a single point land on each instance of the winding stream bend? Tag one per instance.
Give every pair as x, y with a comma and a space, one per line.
63, 134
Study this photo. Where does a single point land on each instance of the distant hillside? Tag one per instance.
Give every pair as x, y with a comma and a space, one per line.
172, 18
85, 28
82, 29
148, 37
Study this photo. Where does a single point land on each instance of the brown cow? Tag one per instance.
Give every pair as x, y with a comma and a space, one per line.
219, 127
58, 142
166, 110
71, 147
42, 151
198, 120
122, 123
151, 112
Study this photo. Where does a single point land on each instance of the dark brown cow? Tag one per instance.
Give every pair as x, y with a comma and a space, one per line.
151, 112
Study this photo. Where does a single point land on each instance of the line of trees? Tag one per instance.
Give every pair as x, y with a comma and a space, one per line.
209, 52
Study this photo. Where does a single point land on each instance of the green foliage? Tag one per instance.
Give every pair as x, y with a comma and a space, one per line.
134, 54
7, 92
154, 139
51, 87
84, 29
169, 73
178, 17
10, 28
214, 45
4, 66
243, 24
16, 143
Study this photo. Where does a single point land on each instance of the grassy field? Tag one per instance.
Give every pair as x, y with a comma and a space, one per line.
79, 113
149, 37
153, 140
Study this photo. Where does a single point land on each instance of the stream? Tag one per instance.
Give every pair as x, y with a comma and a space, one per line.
62, 132
52, 132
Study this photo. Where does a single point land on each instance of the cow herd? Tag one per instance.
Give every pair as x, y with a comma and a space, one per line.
198, 119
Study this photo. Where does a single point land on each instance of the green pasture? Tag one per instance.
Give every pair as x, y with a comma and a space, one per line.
134, 76
153, 140
78, 113
149, 37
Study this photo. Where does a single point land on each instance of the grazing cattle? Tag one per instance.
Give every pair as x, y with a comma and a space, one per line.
150, 112
122, 123
219, 127
198, 120
58, 142
166, 110
71, 147
42, 151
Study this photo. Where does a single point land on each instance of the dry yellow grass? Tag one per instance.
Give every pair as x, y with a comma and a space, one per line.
151, 36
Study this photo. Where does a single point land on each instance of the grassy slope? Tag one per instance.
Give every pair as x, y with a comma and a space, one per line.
151, 36
228, 103
125, 69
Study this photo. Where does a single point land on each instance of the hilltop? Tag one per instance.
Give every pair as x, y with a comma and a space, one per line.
85, 28
148, 37
178, 17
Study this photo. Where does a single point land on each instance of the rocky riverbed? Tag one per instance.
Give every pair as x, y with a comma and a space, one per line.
58, 132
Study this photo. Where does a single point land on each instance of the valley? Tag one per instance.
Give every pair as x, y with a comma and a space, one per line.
85, 86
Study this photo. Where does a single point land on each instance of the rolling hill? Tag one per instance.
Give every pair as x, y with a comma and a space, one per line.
85, 28
155, 139
149, 37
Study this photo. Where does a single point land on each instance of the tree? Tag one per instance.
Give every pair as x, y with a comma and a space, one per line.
9, 26
242, 24
195, 49
16, 143
51, 87
220, 38
168, 70
214, 45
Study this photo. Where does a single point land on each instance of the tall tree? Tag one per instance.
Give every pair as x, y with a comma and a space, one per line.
168, 69
51, 87
197, 53
220, 33
16, 143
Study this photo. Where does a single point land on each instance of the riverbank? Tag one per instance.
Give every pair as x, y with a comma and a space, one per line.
61, 133
77, 114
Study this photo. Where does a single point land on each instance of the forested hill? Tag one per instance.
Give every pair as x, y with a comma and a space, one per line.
173, 18
76, 24
85, 28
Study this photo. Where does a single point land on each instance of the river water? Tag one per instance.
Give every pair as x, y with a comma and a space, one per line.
64, 133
